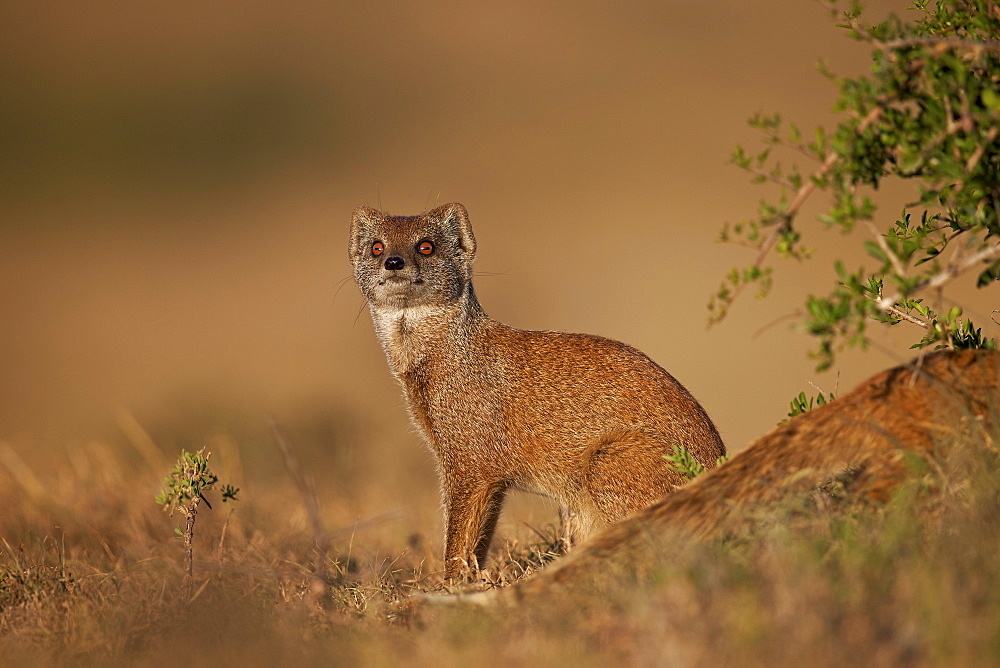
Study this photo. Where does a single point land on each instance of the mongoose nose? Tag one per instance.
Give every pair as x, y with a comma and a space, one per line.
395, 262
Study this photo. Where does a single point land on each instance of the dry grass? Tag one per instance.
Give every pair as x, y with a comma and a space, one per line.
90, 573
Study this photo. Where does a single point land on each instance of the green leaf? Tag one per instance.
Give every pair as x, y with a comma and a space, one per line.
991, 98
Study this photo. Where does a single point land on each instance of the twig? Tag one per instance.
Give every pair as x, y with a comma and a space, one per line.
940, 42
794, 315
798, 146
903, 315
783, 182
822, 391
943, 277
897, 264
198, 593
801, 195
980, 149
930, 40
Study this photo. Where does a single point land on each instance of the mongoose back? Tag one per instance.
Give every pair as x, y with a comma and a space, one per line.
581, 419
912, 409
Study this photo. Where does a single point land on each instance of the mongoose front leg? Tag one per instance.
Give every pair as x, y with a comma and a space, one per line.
472, 513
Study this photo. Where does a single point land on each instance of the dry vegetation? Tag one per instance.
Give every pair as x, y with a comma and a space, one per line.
90, 572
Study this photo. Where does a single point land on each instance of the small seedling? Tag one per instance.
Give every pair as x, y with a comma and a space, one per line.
683, 462
184, 492
803, 404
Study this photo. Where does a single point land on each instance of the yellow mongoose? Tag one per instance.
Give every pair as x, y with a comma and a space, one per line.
581, 419
911, 409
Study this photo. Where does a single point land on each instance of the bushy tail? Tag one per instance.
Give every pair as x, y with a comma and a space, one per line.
908, 409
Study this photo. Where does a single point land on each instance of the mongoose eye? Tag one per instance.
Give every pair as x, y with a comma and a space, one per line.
378, 248
425, 248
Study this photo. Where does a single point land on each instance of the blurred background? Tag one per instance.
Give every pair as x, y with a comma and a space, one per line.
176, 184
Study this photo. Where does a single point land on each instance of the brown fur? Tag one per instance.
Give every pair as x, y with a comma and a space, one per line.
908, 410
581, 419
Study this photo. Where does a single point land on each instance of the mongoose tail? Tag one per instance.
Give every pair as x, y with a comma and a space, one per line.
910, 409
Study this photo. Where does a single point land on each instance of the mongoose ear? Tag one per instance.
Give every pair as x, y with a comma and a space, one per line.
363, 217
455, 216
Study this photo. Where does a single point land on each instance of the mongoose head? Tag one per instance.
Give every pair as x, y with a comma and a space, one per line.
407, 261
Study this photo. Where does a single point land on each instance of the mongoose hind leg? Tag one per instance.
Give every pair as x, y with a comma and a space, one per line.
570, 527
625, 472
472, 515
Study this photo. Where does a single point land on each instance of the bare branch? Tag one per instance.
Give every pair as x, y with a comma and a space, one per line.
903, 315
986, 255
940, 43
